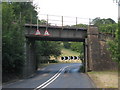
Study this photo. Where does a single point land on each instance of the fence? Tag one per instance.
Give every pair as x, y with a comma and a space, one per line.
64, 21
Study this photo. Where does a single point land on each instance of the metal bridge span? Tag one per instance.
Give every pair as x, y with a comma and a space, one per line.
56, 33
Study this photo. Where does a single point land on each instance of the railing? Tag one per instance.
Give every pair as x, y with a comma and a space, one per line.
63, 21
60, 21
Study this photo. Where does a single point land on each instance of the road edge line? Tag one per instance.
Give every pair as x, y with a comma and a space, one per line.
93, 83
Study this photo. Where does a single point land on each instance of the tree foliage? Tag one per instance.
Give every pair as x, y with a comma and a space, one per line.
113, 48
105, 25
67, 45
48, 48
45, 49
25, 11
97, 21
14, 16
13, 41
78, 47
109, 28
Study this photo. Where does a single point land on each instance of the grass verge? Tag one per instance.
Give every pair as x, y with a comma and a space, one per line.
45, 65
104, 79
68, 52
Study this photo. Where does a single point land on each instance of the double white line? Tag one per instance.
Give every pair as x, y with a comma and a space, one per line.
53, 78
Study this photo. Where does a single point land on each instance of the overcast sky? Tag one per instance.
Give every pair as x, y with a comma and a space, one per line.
79, 8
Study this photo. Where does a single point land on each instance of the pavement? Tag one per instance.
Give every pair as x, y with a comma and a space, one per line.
54, 76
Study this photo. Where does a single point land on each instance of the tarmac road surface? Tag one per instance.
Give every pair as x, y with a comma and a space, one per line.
54, 76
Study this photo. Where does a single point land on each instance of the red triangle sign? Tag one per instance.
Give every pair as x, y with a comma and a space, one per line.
37, 32
46, 33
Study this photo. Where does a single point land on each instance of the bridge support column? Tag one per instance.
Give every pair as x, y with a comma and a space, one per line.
93, 48
30, 60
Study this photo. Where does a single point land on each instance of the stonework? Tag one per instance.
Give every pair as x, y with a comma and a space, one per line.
98, 55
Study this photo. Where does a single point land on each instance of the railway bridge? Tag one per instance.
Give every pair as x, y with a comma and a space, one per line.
35, 32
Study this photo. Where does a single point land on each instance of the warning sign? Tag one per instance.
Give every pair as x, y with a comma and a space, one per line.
46, 33
37, 32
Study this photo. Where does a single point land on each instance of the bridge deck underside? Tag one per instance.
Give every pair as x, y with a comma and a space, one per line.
54, 38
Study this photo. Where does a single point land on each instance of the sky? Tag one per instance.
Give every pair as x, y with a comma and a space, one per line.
79, 8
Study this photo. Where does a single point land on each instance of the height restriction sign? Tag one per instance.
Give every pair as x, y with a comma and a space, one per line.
46, 33
37, 32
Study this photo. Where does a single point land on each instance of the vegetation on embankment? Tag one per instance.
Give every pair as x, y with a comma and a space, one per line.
68, 52
104, 79
75, 46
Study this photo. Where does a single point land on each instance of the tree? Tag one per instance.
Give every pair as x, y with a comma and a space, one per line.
78, 47
109, 28
13, 57
105, 25
48, 48
66, 45
28, 14
14, 16
97, 21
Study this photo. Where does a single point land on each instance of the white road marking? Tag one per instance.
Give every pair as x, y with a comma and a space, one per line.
49, 79
53, 78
